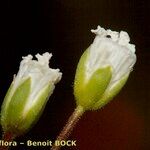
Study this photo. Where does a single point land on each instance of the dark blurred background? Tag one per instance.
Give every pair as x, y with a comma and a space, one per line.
63, 28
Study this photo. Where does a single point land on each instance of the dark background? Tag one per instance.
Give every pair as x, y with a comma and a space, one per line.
63, 28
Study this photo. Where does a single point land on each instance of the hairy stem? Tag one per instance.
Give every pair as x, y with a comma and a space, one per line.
73, 119
7, 137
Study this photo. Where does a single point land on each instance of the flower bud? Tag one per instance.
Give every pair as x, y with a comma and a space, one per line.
28, 94
103, 68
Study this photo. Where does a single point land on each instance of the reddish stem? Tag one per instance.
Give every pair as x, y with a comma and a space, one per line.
72, 121
7, 137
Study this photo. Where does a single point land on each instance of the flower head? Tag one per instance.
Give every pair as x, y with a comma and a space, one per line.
28, 93
103, 68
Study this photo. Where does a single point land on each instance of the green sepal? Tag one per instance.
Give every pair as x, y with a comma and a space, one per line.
4, 106
88, 92
32, 115
80, 72
13, 107
110, 94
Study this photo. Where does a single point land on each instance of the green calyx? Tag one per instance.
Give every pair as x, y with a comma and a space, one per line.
13, 105
15, 117
34, 113
88, 92
109, 94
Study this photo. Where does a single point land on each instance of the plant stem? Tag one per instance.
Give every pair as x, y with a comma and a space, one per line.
7, 137
73, 119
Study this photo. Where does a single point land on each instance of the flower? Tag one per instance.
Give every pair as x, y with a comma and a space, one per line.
28, 93
103, 68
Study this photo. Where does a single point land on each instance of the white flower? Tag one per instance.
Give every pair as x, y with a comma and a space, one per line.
103, 68
111, 48
40, 73
28, 93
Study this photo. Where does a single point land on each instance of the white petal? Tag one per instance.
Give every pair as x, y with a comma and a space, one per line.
40, 74
111, 48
